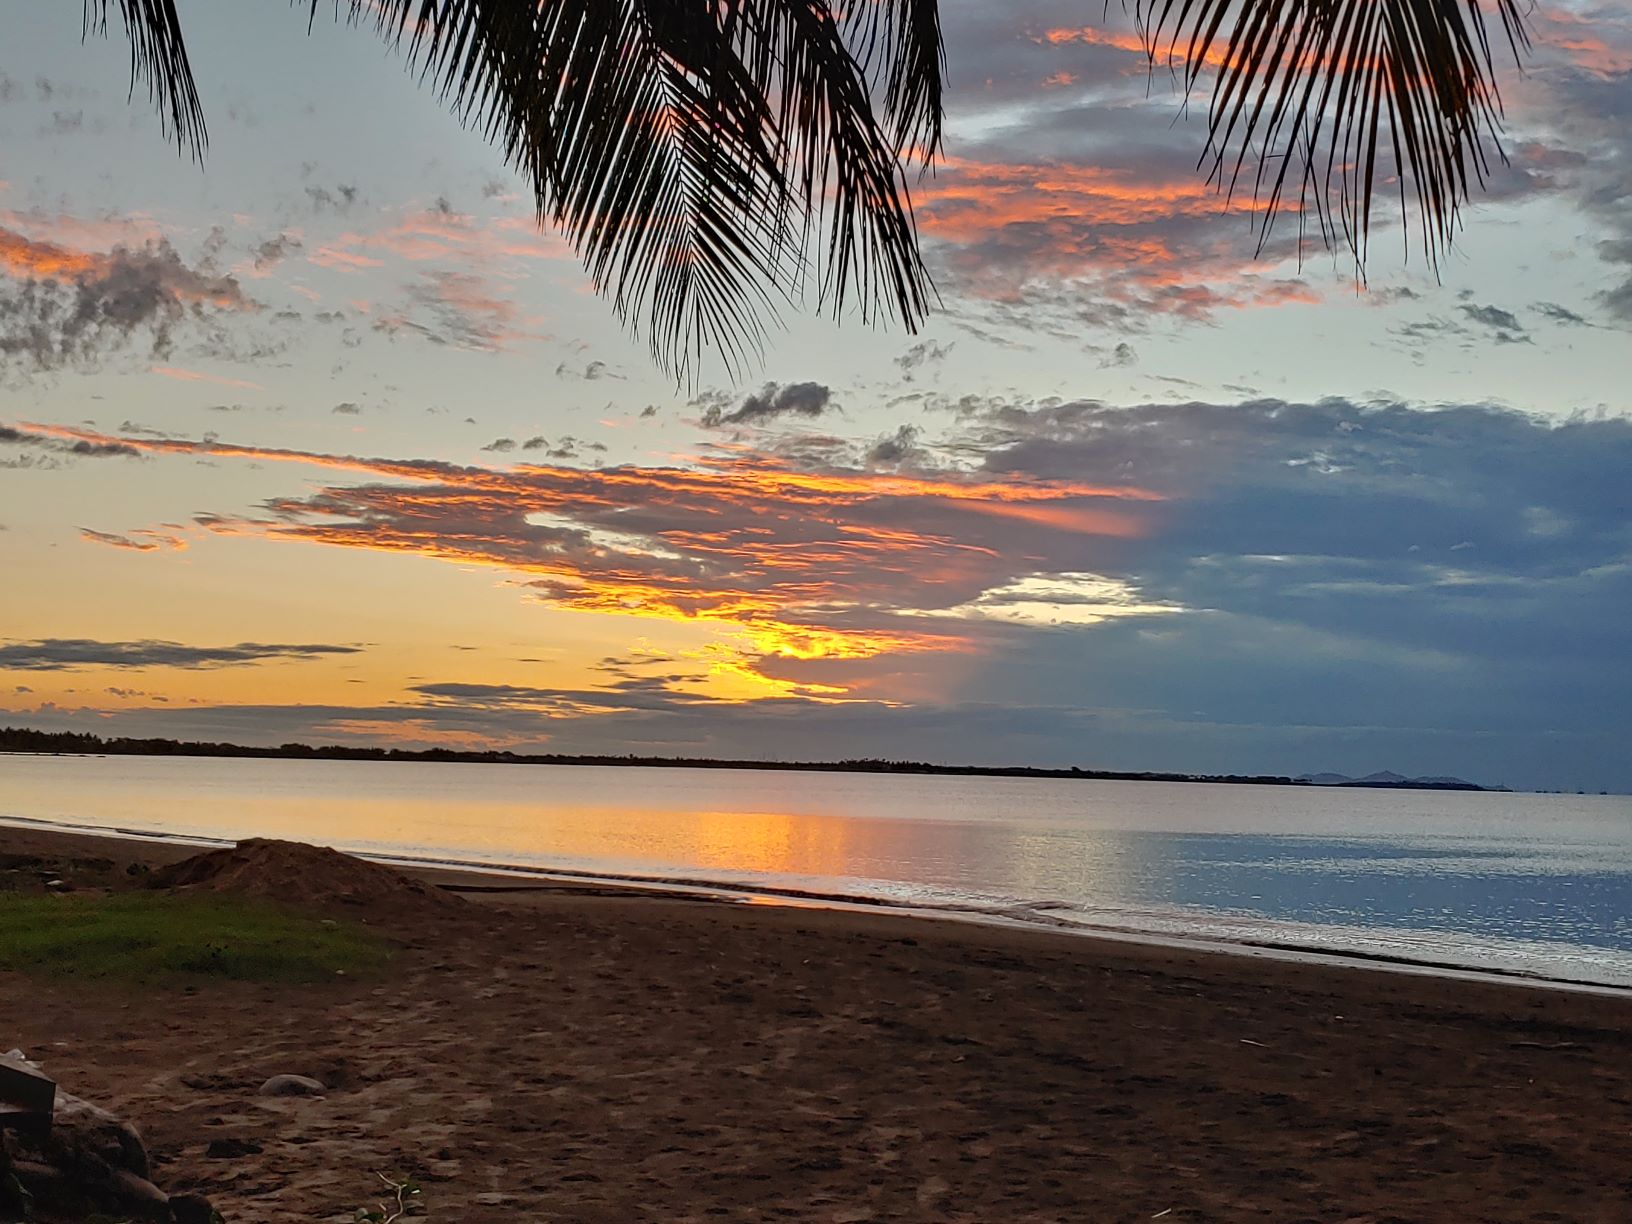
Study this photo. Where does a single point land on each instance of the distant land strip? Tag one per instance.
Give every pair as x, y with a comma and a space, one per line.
24, 739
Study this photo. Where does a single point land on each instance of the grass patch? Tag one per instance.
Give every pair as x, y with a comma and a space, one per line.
139, 936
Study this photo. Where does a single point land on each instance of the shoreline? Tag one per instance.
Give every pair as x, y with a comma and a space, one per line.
585, 1053
471, 878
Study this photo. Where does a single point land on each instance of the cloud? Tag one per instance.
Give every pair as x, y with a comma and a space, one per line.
339, 200
1351, 518
85, 448
773, 401
440, 235
895, 449
1121, 356
592, 371
1562, 314
1575, 113
347, 408
794, 563
135, 541
1081, 208
69, 307
66, 654
273, 251
1239, 585
1065, 210
458, 309
1495, 318
924, 353
184, 375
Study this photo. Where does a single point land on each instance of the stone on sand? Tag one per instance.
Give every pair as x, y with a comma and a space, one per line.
92, 1162
292, 1085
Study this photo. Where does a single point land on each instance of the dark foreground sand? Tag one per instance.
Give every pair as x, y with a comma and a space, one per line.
610, 1056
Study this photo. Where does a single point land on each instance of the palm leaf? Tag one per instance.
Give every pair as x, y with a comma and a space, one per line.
1347, 92
707, 158
158, 60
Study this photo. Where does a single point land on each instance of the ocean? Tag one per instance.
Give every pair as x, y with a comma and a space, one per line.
1536, 885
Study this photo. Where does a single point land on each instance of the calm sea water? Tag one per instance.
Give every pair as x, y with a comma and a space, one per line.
1537, 884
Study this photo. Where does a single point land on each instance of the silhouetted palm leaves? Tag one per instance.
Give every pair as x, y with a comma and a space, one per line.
710, 157
1335, 87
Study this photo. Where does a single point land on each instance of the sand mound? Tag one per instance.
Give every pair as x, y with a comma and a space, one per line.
305, 877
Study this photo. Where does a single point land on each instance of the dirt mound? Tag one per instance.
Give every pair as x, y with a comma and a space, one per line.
305, 877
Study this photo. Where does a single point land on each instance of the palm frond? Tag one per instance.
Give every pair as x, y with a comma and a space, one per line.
158, 60
690, 149
1349, 92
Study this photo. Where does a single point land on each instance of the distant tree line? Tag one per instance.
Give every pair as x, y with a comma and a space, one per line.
24, 739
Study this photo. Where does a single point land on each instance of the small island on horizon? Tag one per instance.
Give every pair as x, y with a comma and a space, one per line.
75, 743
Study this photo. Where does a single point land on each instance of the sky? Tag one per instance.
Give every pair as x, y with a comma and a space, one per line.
325, 440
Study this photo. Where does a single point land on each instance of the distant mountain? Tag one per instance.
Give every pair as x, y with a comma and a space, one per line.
1385, 779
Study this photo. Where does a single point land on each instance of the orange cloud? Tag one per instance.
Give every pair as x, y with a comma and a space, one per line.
798, 564
182, 375
969, 200
135, 541
1584, 41
25, 259
29, 259
439, 234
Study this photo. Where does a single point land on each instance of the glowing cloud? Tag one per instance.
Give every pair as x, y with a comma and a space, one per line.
796, 564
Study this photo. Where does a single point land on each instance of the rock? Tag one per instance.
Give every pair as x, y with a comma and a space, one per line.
139, 1194
292, 1085
230, 1148
192, 1209
92, 1163
84, 1133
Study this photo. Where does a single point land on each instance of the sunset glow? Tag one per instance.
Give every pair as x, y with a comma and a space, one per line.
1151, 488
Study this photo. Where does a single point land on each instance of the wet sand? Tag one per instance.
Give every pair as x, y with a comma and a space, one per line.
597, 1054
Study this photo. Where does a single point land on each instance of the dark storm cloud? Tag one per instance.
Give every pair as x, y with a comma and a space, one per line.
1471, 531
65, 654
1378, 582
771, 402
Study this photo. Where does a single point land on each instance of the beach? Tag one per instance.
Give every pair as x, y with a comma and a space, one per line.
585, 1053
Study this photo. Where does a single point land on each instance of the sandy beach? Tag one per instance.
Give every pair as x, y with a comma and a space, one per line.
605, 1054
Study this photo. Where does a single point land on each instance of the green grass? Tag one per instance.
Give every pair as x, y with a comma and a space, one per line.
142, 936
